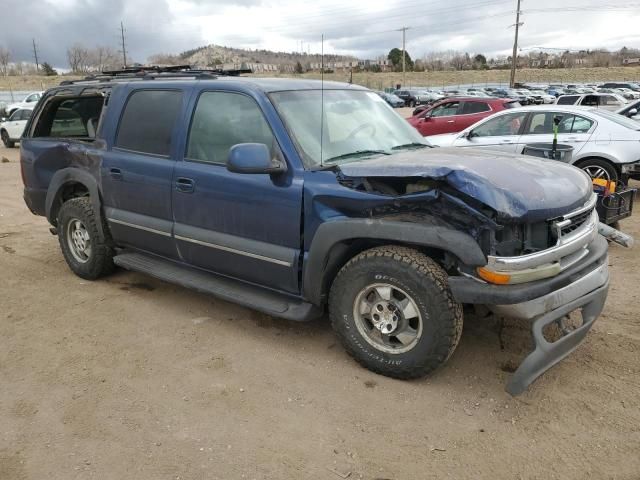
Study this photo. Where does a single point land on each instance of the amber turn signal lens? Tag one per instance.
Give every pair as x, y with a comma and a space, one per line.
493, 277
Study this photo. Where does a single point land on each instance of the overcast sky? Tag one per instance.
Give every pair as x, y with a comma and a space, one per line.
364, 28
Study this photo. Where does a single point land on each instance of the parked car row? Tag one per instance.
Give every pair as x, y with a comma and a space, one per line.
605, 144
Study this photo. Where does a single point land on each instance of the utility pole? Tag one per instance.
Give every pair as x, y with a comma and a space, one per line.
124, 50
514, 56
404, 37
35, 54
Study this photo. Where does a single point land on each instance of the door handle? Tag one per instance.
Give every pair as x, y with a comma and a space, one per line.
450, 121
115, 173
506, 141
185, 185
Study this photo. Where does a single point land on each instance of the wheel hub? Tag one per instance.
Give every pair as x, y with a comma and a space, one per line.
385, 317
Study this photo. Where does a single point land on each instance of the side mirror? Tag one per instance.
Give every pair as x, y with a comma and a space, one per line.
632, 113
468, 135
253, 158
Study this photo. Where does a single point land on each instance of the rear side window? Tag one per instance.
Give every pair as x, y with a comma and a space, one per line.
567, 100
475, 107
147, 122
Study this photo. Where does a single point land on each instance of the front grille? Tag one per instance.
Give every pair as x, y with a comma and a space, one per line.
562, 226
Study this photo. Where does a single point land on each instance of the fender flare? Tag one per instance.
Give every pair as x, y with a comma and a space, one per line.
73, 175
331, 233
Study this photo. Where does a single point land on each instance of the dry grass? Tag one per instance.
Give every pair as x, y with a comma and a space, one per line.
382, 80
32, 82
574, 75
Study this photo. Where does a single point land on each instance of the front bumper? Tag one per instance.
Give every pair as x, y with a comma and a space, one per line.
582, 286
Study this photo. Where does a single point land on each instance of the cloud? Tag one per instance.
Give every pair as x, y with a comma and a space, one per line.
365, 28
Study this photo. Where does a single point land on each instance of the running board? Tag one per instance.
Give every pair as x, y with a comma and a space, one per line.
263, 300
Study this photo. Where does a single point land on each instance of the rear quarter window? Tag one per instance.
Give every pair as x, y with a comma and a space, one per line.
146, 125
64, 117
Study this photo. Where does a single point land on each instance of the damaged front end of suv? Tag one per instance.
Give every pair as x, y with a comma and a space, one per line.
529, 251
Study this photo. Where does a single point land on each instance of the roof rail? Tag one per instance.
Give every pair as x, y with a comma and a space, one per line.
153, 72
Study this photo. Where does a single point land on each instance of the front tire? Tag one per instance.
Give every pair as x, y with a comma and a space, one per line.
6, 140
88, 252
394, 313
599, 168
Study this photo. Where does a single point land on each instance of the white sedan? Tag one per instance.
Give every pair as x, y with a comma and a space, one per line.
27, 102
11, 129
606, 144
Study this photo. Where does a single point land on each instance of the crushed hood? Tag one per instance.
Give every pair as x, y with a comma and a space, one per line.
515, 186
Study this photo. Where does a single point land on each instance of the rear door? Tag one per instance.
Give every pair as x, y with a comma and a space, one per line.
441, 119
245, 226
573, 130
472, 112
137, 170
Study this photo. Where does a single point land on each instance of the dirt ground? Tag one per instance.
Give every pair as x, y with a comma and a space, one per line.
133, 378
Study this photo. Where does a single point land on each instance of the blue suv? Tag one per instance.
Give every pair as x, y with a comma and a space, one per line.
294, 197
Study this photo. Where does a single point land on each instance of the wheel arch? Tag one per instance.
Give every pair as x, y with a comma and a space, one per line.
71, 183
336, 242
602, 157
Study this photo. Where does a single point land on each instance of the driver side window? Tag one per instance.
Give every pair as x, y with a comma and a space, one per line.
222, 120
445, 110
503, 125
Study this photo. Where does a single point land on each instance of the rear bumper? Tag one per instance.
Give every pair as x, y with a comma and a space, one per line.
583, 286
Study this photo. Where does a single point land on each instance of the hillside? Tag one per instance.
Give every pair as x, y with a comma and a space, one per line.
211, 55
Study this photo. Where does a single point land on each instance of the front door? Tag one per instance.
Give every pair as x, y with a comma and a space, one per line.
500, 132
137, 172
245, 226
440, 119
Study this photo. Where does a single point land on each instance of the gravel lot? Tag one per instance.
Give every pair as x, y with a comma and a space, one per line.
132, 378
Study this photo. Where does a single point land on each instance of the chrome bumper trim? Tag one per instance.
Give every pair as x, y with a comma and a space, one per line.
539, 306
567, 245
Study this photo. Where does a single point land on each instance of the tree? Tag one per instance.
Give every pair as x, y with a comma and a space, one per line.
77, 55
298, 68
479, 62
5, 56
395, 57
48, 70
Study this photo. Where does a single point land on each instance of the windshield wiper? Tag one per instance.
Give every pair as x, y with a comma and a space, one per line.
411, 145
357, 153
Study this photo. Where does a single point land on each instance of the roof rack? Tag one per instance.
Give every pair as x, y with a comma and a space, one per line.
153, 72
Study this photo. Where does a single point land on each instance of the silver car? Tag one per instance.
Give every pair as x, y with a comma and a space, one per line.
606, 144
606, 101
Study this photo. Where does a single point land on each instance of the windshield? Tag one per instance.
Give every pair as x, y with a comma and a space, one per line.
619, 119
353, 123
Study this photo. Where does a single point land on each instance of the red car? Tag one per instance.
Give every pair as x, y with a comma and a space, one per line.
452, 115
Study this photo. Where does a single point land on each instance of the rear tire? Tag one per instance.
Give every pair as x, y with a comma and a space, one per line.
394, 313
88, 252
599, 168
5, 139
